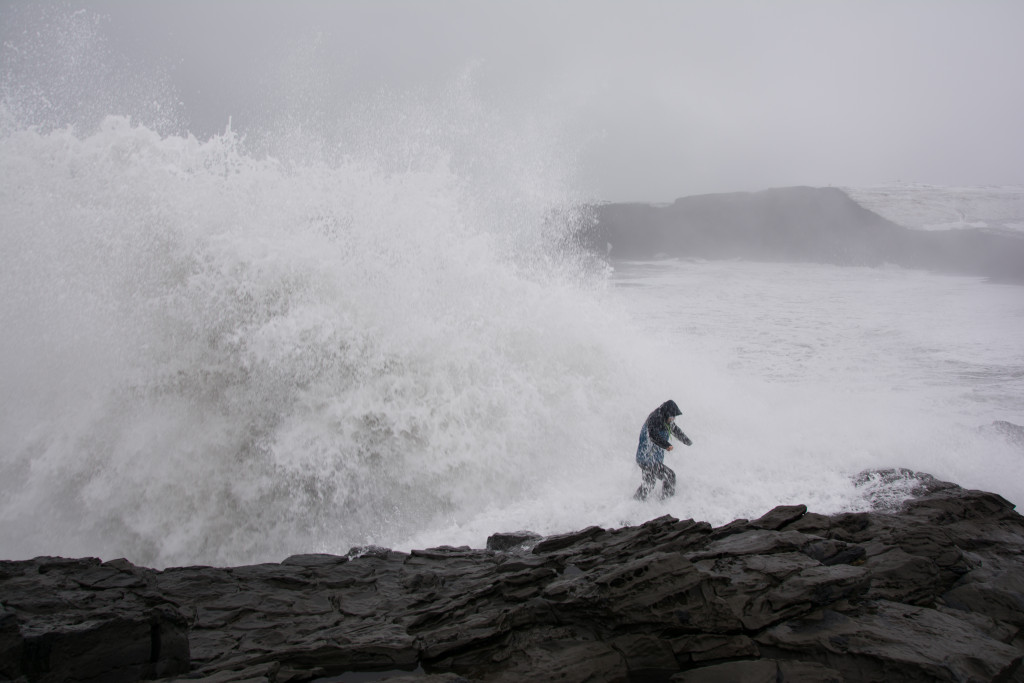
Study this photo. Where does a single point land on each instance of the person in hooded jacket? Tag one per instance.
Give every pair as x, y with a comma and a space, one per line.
650, 452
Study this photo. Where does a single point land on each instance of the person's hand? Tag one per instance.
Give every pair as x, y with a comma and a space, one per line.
669, 447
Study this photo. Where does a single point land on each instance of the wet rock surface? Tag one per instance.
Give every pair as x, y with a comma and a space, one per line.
932, 591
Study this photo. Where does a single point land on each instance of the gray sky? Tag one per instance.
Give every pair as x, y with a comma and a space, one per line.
665, 99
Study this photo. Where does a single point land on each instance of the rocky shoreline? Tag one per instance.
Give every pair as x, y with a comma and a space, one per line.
932, 591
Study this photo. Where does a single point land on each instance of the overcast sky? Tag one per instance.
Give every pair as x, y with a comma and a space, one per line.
667, 98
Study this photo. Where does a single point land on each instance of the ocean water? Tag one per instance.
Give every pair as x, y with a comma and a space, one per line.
796, 376
372, 326
929, 207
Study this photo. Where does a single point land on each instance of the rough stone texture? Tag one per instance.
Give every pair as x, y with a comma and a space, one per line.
931, 591
522, 540
80, 620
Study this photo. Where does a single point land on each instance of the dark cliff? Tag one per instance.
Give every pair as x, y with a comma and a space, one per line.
821, 225
932, 591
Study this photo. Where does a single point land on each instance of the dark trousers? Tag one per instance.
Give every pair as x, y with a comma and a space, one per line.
652, 473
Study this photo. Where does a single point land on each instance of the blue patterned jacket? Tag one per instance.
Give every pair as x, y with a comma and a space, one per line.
655, 433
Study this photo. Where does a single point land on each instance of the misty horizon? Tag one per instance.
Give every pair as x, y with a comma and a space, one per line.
653, 101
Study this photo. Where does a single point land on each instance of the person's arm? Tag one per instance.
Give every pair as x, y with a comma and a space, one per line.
679, 435
654, 429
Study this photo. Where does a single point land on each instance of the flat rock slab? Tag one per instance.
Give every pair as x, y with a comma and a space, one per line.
933, 590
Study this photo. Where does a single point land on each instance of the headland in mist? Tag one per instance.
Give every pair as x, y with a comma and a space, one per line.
803, 224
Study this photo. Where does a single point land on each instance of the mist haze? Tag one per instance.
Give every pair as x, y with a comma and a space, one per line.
653, 100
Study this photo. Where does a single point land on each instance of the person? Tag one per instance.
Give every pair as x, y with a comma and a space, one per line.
650, 452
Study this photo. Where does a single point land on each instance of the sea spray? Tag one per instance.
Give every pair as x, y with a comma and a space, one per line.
799, 376
58, 69
212, 356
348, 322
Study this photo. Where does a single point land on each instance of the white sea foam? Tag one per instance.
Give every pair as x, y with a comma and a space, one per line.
210, 356
932, 207
800, 374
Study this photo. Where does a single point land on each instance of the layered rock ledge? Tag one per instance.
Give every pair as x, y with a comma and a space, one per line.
932, 591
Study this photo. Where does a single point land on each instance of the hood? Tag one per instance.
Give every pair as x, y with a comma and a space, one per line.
669, 409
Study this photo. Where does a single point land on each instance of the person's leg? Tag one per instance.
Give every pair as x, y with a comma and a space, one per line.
668, 486
647, 485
